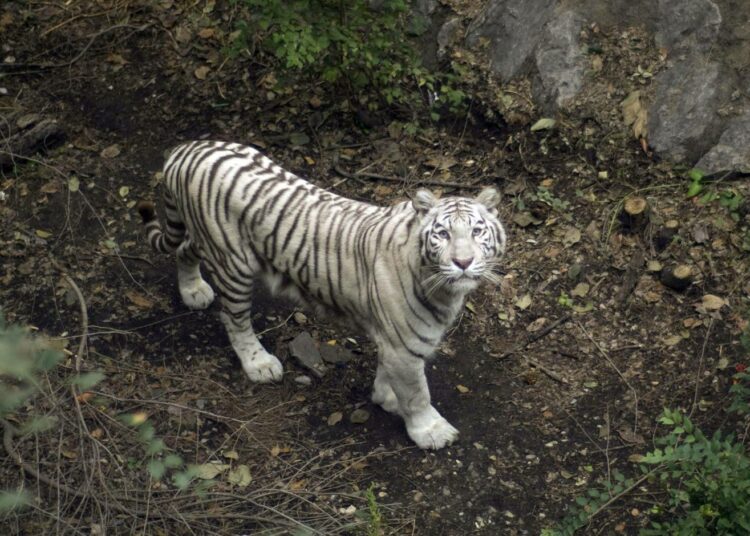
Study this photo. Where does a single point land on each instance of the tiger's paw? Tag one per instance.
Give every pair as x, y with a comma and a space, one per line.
198, 295
429, 430
263, 367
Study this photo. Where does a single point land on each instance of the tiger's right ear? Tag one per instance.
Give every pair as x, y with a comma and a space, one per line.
423, 201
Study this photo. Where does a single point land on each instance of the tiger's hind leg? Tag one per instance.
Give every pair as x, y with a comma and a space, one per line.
195, 292
260, 365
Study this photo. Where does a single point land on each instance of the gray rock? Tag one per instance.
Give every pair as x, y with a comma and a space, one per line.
303, 379
447, 35
732, 153
683, 120
559, 60
359, 416
688, 25
513, 28
335, 354
303, 348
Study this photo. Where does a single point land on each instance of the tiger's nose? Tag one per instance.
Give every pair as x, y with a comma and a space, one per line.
463, 263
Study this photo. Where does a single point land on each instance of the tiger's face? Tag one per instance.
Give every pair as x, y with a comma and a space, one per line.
462, 240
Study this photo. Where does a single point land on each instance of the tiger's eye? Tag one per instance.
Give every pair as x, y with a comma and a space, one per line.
444, 234
477, 231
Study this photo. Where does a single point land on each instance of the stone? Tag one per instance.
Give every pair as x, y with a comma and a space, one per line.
359, 416
513, 28
683, 120
688, 25
732, 152
303, 379
447, 35
304, 349
335, 354
560, 62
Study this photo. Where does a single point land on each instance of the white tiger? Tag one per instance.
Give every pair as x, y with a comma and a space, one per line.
401, 273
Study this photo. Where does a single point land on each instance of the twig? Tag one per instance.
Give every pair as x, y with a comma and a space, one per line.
549, 372
612, 364
536, 336
374, 176
700, 369
84, 313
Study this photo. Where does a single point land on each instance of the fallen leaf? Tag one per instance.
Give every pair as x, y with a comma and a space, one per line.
52, 187
580, 290
523, 302
70, 454
139, 299
210, 470
207, 33
74, 184
110, 152
231, 455
627, 435
297, 485
276, 450
240, 476
462, 389
202, 72
183, 35
672, 340
635, 115
470, 307
543, 123
572, 236
335, 418
711, 302
124, 191
536, 325
43, 234
524, 219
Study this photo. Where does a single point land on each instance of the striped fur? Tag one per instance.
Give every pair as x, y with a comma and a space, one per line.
401, 272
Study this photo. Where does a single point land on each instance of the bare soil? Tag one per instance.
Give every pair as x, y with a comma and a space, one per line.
539, 425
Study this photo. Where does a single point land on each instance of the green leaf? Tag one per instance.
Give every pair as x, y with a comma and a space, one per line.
87, 380
156, 469
11, 500
696, 175
694, 189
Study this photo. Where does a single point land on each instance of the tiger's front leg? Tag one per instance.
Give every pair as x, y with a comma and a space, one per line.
258, 364
405, 376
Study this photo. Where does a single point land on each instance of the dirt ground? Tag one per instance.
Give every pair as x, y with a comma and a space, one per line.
539, 424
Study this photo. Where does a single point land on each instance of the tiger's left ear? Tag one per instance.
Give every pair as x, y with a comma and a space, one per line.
423, 201
490, 198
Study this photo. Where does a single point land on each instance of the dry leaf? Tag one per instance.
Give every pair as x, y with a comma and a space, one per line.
523, 302
231, 455
673, 340
139, 299
572, 236
297, 485
207, 33
635, 114
210, 470
43, 234
462, 389
110, 152
580, 291
536, 325
276, 450
202, 72
52, 187
240, 476
335, 418
712, 302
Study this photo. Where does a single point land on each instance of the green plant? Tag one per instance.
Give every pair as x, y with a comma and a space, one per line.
23, 360
374, 518
707, 480
353, 45
696, 182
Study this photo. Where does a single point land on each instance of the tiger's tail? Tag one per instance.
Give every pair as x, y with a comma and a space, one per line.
162, 242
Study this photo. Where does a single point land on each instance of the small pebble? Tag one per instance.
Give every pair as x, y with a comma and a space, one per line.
359, 416
303, 380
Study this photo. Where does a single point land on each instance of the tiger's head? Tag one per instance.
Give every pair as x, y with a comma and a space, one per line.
462, 240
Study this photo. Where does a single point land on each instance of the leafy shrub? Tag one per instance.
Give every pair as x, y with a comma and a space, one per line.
351, 45
23, 359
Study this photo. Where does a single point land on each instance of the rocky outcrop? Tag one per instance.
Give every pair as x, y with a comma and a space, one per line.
698, 105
